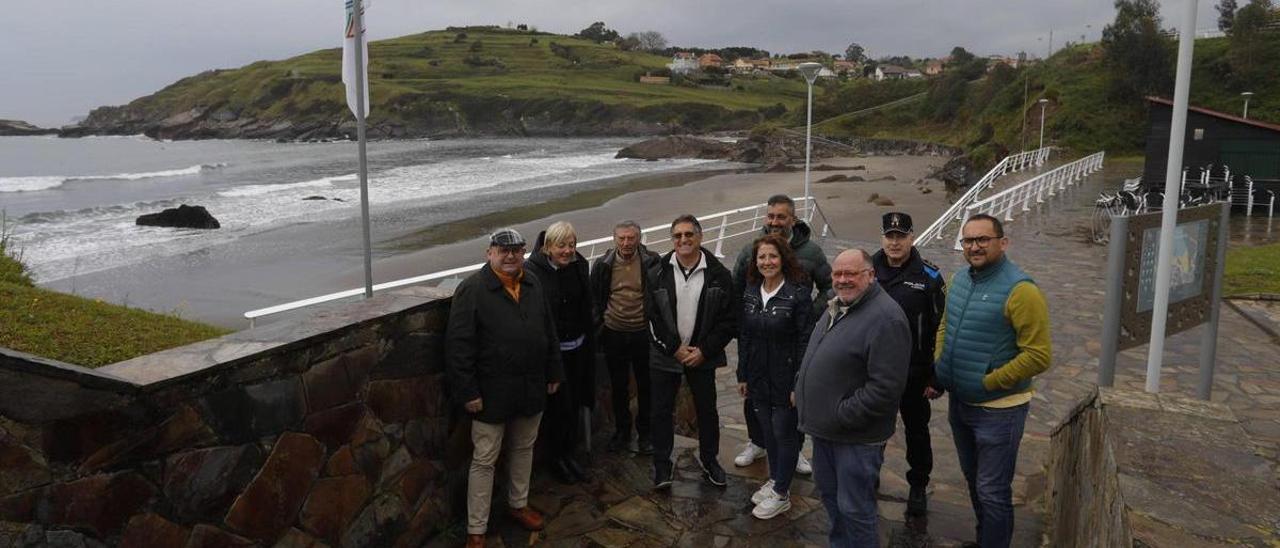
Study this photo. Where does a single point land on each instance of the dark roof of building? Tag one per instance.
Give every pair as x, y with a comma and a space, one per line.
1216, 114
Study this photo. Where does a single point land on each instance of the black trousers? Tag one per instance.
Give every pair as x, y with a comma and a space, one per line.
627, 353
915, 422
702, 384
561, 426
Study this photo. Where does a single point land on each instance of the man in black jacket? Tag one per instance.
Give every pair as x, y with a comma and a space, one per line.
503, 360
617, 298
692, 317
918, 287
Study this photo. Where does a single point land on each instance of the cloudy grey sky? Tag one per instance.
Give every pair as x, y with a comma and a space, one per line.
65, 57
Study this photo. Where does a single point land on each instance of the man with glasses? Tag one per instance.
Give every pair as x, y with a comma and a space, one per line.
993, 340
692, 316
917, 286
503, 359
847, 393
780, 218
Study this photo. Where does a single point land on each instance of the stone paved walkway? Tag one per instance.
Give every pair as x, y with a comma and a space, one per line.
618, 509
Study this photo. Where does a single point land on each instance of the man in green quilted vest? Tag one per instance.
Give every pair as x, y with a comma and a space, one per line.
993, 339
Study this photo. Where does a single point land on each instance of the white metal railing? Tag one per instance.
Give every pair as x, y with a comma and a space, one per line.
1034, 190
1009, 164
716, 227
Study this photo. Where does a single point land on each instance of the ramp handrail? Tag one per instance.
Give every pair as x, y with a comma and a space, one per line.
1009, 164
716, 228
1020, 196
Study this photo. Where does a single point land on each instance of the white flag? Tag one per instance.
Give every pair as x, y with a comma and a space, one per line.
349, 56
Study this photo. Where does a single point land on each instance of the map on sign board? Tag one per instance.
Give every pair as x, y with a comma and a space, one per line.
1190, 243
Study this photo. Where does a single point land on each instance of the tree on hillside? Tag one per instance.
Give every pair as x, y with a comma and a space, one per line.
598, 33
855, 53
1226, 14
1252, 50
961, 56
630, 43
1139, 57
946, 96
649, 40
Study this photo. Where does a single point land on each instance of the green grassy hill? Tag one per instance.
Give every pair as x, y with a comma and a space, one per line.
1081, 115
477, 80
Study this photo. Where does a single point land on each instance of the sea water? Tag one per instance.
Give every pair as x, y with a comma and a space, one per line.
72, 203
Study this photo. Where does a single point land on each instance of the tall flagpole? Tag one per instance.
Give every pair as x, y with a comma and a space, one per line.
1172, 187
360, 138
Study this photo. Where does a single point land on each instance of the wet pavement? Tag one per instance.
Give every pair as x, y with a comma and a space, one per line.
1051, 243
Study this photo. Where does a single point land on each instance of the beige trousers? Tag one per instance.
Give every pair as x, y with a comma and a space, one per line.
520, 434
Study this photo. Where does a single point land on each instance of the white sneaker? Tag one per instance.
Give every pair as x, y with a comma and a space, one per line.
771, 506
803, 467
764, 492
749, 454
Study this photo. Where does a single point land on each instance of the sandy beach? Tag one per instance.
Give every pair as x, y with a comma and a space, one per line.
845, 205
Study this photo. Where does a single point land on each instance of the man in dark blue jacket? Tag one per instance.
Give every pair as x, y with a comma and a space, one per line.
503, 359
918, 287
692, 317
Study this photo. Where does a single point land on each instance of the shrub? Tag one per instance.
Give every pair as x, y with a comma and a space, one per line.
12, 269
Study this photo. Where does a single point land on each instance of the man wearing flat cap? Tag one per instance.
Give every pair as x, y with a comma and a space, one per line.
918, 287
503, 359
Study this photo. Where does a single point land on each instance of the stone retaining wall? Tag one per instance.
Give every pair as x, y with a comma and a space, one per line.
330, 430
1130, 468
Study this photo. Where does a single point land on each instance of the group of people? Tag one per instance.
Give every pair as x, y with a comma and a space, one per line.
832, 351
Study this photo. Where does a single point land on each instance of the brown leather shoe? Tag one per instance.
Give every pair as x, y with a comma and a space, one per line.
475, 541
528, 518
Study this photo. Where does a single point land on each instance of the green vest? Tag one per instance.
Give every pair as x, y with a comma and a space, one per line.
979, 338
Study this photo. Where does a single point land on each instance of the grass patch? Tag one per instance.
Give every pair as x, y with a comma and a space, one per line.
88, 332
1253, 269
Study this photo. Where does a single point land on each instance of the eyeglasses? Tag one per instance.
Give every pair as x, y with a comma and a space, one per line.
511, 250
680, 235
979, 241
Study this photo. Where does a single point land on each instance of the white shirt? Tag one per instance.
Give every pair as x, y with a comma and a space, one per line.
766, 295
688, 294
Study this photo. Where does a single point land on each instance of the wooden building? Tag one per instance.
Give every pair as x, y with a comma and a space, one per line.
1249, 147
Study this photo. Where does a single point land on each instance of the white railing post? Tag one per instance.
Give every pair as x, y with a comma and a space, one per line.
724, 222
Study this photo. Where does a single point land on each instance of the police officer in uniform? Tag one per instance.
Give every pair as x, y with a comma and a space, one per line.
918, 287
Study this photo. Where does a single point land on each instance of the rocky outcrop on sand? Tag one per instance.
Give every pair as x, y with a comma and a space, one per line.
18, 127
183, 216
957, 172
678, 146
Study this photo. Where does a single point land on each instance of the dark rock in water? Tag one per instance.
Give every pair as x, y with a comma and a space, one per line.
677, 147
314, 198
183, 216
833, 179
18, 127
888, 178
854, 179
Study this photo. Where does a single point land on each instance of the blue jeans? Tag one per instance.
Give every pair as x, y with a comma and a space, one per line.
780, 442
846, 475
987, 442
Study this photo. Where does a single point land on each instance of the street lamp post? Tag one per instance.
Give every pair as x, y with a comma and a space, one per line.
1042, 102
810, 73
1246, 96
